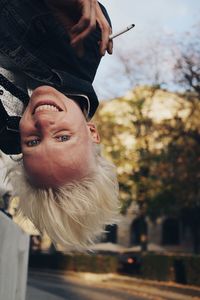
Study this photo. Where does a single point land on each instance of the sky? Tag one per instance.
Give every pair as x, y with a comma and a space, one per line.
152, 18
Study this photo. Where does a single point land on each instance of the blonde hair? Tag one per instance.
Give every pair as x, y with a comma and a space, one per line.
75, 214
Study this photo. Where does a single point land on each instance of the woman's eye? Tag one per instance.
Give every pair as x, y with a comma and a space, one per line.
33, 143
63, 138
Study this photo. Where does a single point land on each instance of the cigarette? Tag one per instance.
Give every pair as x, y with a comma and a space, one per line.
112, 36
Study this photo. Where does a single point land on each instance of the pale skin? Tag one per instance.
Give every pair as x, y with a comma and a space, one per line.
56, 140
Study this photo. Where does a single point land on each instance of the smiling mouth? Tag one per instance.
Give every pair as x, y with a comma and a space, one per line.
46, 106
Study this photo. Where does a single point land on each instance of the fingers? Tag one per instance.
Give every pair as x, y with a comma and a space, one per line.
105, 44
110, 47
90, 14
79, 18
86, 24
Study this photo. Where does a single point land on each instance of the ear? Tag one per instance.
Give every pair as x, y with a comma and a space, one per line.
94, 133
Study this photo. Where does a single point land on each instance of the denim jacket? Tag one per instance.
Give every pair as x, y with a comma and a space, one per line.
35, 43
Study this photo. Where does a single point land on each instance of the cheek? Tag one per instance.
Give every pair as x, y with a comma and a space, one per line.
23, 131
87, 159
23, 119
81, 162
21, 124
29, 165
25, 124
22, 128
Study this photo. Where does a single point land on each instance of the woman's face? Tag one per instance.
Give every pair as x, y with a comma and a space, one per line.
56, 140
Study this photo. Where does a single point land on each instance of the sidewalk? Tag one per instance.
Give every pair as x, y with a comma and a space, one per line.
155, 289
146, 288
36, 294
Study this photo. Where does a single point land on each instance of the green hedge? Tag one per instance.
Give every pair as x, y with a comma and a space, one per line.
183, 269
157, 267
192, 265
81, 263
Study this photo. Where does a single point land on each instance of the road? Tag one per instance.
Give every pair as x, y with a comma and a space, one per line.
54, 287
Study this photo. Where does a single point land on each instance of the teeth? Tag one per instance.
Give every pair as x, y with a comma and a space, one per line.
46, 107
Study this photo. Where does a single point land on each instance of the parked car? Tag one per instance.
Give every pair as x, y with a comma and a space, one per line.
129, 263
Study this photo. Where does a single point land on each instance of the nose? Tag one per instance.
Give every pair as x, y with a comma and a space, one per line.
44, 122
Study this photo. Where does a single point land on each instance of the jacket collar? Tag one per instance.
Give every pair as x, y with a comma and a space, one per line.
9, 126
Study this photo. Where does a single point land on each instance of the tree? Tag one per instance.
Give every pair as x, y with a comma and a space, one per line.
159, 167
156, 156
187, 62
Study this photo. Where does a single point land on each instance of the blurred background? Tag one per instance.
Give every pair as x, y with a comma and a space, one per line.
147, 54
149, 121
149, 124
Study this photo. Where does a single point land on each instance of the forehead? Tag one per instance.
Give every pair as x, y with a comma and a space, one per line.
76, 148
56, 167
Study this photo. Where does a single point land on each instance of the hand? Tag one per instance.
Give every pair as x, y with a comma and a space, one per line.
92, 13
79, 18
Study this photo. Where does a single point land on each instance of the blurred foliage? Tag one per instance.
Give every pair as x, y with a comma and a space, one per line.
183, 269
157, 267
187, 64
153, 137
78, 262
